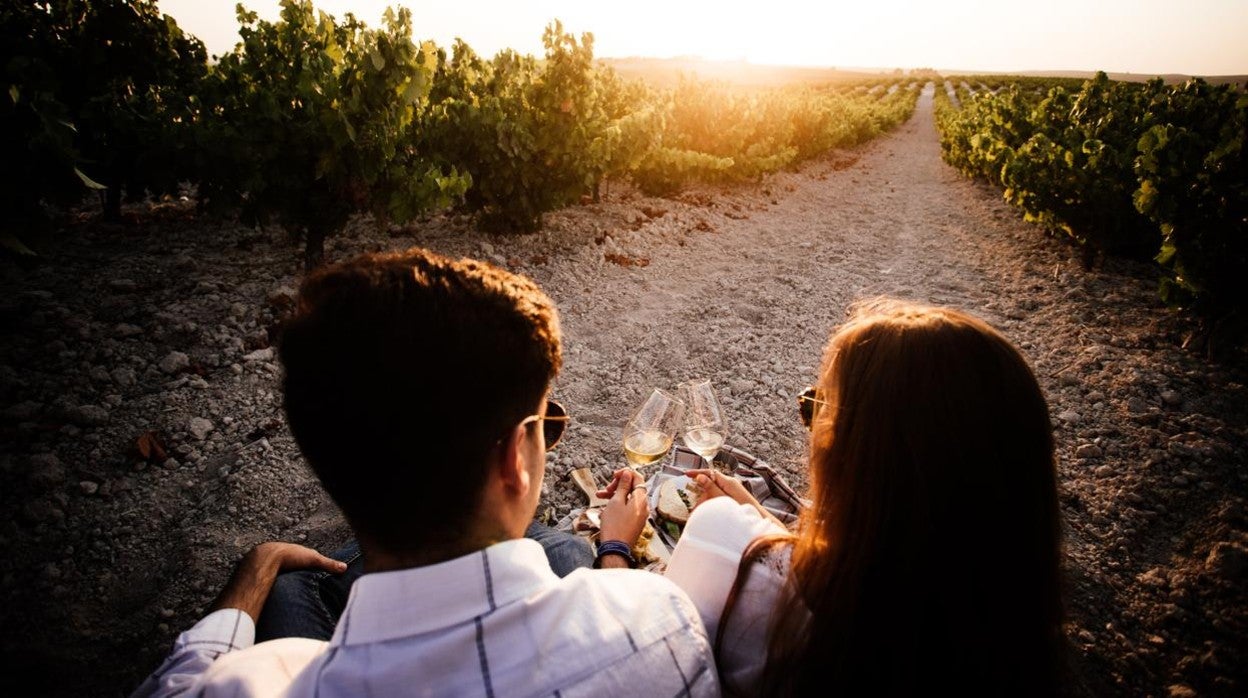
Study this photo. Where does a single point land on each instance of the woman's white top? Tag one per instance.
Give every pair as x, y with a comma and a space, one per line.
705, 564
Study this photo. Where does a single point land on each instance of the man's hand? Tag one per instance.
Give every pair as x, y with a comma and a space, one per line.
625, 515
252, 580
628, 474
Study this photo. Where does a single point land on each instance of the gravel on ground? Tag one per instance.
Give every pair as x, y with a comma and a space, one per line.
145, 448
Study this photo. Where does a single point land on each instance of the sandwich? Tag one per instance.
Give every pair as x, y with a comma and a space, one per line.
675, 503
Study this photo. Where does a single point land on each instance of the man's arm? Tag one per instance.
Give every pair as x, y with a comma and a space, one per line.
252, 580
624, 517
231, 623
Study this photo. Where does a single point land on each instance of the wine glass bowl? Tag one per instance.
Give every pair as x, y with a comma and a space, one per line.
649, 432
705, 428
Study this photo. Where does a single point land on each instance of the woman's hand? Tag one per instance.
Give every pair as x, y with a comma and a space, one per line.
712, 484
624, 516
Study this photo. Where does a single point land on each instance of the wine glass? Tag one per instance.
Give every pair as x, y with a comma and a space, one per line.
649, 432
705, 427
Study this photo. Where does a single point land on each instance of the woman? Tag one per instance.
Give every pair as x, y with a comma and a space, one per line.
929, 557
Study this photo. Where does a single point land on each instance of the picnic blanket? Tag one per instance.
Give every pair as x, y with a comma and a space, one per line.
767, 486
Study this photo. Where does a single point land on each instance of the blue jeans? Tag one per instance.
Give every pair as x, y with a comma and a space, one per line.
309, 604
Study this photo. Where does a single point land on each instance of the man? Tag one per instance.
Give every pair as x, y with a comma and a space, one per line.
416, 388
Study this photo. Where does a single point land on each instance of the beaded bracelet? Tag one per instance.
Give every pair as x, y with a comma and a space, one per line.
615, 547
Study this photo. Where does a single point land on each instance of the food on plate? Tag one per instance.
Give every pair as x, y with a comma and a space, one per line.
675, 502
641, 549
588, 521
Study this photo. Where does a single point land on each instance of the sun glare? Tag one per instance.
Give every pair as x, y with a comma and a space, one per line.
1200, 38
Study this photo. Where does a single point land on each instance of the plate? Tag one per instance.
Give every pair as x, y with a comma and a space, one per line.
670, 533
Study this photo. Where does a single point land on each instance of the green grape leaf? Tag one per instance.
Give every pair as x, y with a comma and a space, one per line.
1167, 253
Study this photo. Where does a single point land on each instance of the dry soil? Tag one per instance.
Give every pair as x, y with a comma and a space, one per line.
164, 325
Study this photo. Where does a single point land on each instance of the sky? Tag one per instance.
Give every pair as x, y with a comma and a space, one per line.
1193, 37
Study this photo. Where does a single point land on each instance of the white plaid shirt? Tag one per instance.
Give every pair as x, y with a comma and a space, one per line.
495, 622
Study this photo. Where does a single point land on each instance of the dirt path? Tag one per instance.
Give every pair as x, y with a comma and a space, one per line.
751, 304
107, 556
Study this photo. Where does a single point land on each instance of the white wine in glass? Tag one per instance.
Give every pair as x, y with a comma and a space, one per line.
704, 441
646, 447
649, 433
705, 428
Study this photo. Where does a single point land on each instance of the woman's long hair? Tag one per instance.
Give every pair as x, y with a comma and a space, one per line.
929, 559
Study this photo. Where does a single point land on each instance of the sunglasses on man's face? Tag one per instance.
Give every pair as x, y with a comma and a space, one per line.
555, 422
808, 403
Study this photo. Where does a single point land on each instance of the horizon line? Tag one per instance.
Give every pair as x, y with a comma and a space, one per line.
878, 69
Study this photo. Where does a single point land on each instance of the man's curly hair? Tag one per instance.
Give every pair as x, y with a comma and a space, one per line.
402, 371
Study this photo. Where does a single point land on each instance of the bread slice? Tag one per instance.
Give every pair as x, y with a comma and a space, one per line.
674, 502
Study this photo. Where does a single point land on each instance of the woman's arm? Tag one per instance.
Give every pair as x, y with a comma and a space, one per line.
712, 484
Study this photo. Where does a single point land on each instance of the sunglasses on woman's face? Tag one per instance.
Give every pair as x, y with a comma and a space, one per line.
808, 403
556, 421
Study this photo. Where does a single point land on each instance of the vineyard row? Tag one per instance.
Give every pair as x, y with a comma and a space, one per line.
1143, 170
309, 120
